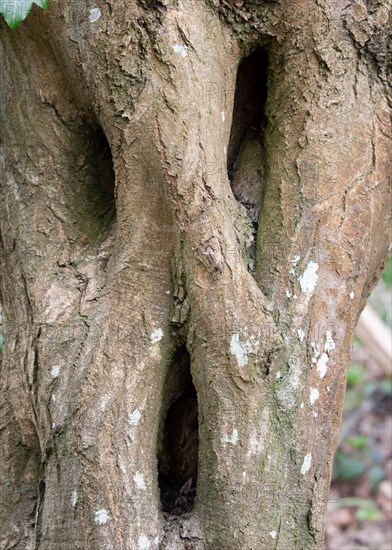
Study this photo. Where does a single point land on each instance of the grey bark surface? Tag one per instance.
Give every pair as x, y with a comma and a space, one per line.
109, 276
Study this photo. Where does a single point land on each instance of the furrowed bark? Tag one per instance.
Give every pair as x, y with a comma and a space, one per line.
124, 249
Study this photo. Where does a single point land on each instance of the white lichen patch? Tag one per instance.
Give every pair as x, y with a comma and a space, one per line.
287, 393
156, 336
232, 439
144, 543
316, 351
55, 371
322, 365
294, 262
74, 498
314, 395
288, 293
329, 342
273, 534
278, 375
308, 279
134, 417
301, 334
225, 150
302, 405
306, 464
240, 350
181, 50
352, 295
101, 516
322, 361
95, 14
138, 478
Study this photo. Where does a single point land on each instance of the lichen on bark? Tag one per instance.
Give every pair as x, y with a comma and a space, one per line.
133, 110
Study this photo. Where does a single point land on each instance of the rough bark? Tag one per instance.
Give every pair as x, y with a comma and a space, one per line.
115, 279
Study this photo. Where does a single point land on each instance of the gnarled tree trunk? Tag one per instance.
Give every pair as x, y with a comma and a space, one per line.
194, 209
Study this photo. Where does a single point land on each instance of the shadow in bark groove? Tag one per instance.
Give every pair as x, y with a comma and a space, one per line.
179, 440
96, 194
246, 150
38, 519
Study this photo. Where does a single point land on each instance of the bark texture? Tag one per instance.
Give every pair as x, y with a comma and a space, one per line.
131, 274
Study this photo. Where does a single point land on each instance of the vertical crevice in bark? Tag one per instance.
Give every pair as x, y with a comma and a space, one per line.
264, 447
95, 197
178, 441
38, 516
102, 163
246, 150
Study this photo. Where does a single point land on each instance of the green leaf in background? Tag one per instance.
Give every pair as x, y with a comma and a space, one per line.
385, 386
353, 400
356, 373
367, 509
357, 442
370, 513
15, 11
348, 467
376, 475
387, 273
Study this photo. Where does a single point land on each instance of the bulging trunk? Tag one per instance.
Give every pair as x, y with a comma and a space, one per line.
195, 203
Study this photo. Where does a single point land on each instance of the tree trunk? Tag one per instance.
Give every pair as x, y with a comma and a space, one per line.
194, 208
